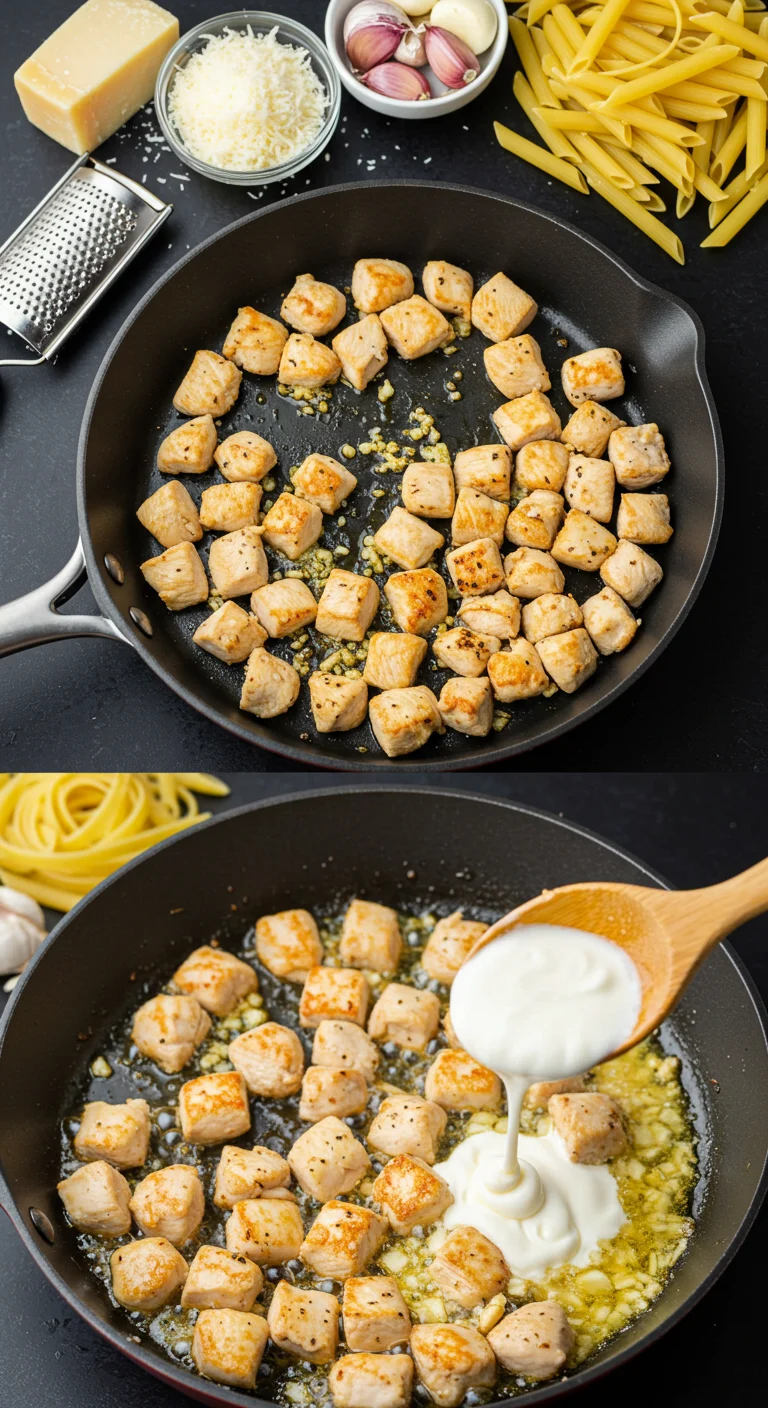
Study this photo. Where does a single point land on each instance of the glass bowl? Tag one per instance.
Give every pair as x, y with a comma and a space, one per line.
261, 22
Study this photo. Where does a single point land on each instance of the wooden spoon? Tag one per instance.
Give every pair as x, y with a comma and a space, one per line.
667, 933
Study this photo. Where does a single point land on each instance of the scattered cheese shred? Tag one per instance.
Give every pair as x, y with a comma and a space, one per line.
247, 102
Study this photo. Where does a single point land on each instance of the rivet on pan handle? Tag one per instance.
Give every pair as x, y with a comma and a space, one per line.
34, 619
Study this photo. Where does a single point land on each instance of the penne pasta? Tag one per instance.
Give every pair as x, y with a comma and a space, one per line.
674, 73
734, 192
593, 42
730, 150
645, 221
735, 221
563, 171
737, 34
531, 62
558, 144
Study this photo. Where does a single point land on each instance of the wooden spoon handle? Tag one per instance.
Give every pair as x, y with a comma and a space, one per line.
702, 917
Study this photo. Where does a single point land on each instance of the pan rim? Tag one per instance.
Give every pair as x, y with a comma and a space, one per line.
181, 1378
258, 734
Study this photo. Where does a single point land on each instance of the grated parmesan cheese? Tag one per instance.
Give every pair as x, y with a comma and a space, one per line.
246, 102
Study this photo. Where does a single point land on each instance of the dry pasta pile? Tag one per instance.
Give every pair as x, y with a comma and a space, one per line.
63, 832
627, 91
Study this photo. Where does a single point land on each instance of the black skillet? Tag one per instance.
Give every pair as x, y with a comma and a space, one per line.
587, 298
405, 848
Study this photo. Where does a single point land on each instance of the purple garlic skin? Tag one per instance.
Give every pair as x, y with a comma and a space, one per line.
394, 80
450, 59
373, 31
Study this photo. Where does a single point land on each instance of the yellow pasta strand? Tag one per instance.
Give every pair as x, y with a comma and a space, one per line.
554, 166
593, 42
678, 72
558, 144
738, 217
731, 149
659, 233
737, 34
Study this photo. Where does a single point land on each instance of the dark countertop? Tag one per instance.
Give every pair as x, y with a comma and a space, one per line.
694, 830
703, 705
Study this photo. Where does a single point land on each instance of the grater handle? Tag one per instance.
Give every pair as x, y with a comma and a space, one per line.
22, 362
34, 619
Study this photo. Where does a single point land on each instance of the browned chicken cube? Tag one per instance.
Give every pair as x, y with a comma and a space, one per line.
419, 600
593, 376
314, 307
304, 1323
393, 659
407, 1124
486, 469
210, 387
248, 1173
284, 607
342, 1240
415, 328
632, 573
589, 428
288, 943
407, 1016
478, 516
569, 658
448, 288
589, 1125
146, 1275
170, 515
216, 979
531, 572
178, 576
228, 1345
338, 704
495, 615
638, 455
307, 362
270, 1058
376, 1317
370, 937
325, 1092
255, 342
609, 621
534, 523
466, 705
117, 1134
469, 1268
457, 1081
537, 1096
517, 673
583, 542
549, 615
408, 540
268, 1231
237, 562
322, 480
230, 634
644, 518
271, 685
168, 1029
245, 457
464, 651
96, 1198
214, 1108
334, 994
378, 283
371, 1380
410, 1193
476, 568
226, 507
347, 605
404, 719
526, 418
541, 464
221, 1280
516, 366
428, 490
450, 1360
534, 1341
169, 1203
327, 1160
500, 309
362, 350
589, 486
344, 1046
291, 526
448, 946
189, 449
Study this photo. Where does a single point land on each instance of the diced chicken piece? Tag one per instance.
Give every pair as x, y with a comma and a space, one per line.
486, 468
644, 518
549, 615
237, 562
255, 342
428, 490
347, 605
304, 1323
632, 573
178, 576
371, 1380
530, 573
344, 1046
408, 540
378, 283
270, 1058
338, 704
376, 1317
537, 1095
210, 387
268, 1231
271, 685
476, 568
478, 516
147, 1274
448, 288
363, 350
526, 418
500, 309
450, 1360
342, 1240
541, 464
589, 486
284, 607
534, 523
118, 1134
407, 1016
216, 979
410, 1193
609, 621
322, 480
419, 600
221, 1280
406, 1124
333, 994
168, 1029
457, 1081
415, 328
227, 507
325, 1091
228, 1345
288, 943
517, 673
306, 362
589, 428
169, 1203
463, 651
583, 542
170, 515
466, 705
534, 1341
230, 634
370, 937
516, 366
314, 307
327, 1160
589, 1125
593, 376
248, 1173
469, 1268
291, 526
96, 1199
448, 946
570, 658
245, 457
638, 455
496, 615
404, 719
393, 659
189, 449
214, 1108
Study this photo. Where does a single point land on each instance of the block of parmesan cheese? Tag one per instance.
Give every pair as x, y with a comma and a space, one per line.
96, 70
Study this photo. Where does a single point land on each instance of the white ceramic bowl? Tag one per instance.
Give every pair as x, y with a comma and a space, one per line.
446, 99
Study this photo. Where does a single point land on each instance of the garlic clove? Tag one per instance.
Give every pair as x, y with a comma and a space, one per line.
474, 21
397, 81
411, 50
417, 7
450, 59
16, 902
372, 32
22, 929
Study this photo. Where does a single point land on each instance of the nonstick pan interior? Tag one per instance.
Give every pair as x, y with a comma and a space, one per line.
586, 299
404, 848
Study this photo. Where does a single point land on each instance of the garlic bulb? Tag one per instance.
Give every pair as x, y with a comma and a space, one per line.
451, 60
372, 32
22, 929
474, 21
397, 81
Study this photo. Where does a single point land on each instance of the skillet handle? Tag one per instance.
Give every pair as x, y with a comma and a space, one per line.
34, 619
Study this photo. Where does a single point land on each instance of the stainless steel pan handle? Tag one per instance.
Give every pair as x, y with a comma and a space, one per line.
34, 619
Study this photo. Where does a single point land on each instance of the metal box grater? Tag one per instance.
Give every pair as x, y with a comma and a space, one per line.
66, 254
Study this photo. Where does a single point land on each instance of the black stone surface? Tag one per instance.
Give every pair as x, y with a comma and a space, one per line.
91, 703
